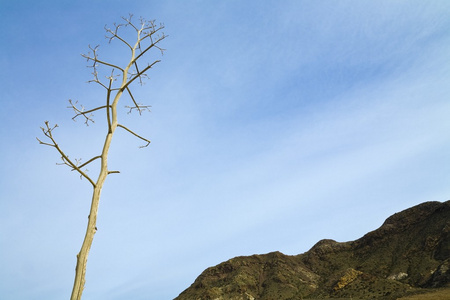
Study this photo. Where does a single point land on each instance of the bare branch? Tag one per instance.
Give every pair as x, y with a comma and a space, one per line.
113, 172
108, 106
89, 161
137, 106
139, 74
144, 139
48, 133
134, 101
95, 59
97, 81
115, 35
86, 114
128, 20
81, 112
77, 162
42, 143
153, 43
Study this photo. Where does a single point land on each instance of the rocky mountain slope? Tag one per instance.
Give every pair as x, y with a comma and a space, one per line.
409, 253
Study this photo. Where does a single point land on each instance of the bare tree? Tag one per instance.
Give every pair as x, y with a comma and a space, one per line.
148, 37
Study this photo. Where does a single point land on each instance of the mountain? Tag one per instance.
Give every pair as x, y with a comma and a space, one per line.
408, 254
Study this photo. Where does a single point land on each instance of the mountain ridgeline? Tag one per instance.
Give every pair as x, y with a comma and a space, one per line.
409, 254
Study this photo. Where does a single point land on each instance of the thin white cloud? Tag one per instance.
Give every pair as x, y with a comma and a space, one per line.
273, 125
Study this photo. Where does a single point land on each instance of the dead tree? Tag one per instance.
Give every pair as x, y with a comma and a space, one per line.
148, 37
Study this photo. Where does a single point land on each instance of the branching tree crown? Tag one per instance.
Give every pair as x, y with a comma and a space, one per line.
148, 36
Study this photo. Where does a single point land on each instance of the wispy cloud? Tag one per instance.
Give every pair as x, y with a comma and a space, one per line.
273, 125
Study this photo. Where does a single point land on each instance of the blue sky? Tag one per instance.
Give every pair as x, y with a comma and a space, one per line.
274, 124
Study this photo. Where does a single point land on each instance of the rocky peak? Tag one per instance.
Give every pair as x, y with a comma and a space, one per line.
410, 252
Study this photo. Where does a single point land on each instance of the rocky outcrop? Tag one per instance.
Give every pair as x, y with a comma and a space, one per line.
408, 253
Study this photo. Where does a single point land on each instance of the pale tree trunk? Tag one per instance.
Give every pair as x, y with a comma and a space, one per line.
82, 256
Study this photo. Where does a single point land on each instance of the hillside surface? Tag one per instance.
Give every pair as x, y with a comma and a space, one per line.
408, 255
